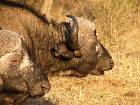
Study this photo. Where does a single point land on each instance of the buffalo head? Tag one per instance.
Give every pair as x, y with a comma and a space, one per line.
18, 74
93, 59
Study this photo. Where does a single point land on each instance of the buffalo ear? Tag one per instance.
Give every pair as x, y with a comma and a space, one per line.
61, 52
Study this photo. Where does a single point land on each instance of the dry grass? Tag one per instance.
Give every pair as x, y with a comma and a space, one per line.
117, 29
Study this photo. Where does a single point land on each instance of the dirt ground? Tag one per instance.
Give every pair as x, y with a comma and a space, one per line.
120, 86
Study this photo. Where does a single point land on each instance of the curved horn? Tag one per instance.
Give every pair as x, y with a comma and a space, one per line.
74, 45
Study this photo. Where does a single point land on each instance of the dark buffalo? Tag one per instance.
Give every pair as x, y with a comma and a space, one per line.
30, 49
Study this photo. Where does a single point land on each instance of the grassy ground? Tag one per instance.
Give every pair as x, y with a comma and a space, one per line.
118, 28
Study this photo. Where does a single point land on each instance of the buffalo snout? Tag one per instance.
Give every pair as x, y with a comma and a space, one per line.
40, 88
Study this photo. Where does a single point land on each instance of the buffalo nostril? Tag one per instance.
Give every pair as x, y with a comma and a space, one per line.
40, 88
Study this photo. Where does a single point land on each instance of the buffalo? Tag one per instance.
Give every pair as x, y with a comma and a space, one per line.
32, 48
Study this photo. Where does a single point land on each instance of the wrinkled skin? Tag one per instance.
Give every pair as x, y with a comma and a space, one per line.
95, 58
36, 6
105, 61
101, 58
17, 73
39, 45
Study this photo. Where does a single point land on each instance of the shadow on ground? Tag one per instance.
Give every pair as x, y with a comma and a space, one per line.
37, 101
